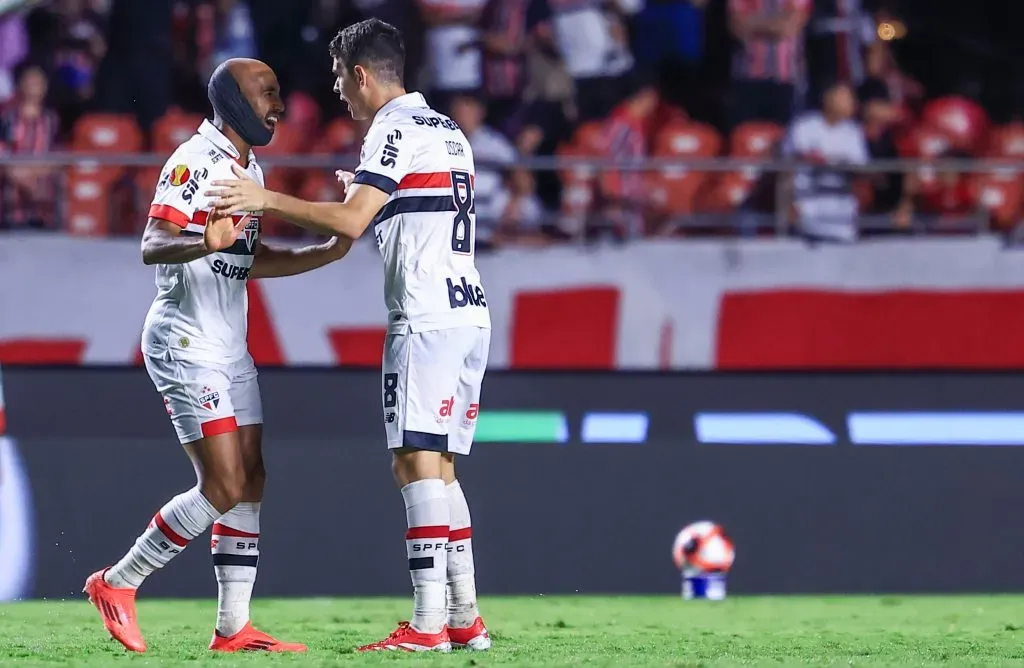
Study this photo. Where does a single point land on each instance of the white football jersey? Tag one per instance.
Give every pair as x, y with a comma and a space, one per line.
200, 310
427, 229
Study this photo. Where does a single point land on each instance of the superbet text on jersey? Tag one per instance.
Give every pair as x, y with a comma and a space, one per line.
427, 228
199, 313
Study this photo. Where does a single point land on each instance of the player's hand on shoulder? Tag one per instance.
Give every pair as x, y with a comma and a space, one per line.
345, 179
222, 231
241, 194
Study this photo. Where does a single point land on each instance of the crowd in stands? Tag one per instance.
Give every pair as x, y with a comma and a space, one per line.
815, 81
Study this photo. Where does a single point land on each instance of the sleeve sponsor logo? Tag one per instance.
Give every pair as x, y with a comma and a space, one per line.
180, 175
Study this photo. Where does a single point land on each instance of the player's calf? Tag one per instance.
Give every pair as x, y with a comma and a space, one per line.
465, 627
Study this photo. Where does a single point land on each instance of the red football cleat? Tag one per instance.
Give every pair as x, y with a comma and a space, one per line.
408, 639
473, 637
117, 608
251, 640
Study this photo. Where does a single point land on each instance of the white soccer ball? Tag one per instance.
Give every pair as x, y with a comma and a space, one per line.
703, 547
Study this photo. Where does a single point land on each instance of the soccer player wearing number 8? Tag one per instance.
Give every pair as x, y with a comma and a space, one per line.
414, 189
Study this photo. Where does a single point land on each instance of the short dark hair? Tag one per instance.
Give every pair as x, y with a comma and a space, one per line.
373, 44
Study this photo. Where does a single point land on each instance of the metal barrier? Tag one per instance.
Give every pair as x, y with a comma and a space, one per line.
770, 180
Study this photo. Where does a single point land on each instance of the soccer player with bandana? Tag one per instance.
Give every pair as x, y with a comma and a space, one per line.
414, 186
194, 345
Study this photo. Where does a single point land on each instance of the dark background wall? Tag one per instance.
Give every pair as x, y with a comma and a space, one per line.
548, 518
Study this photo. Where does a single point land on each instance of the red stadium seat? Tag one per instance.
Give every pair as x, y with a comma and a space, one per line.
341, 136
106, 133
674, 189
1001, 196
173, 129
925, 142
755, 139
90, 188
1007, 141
964, 121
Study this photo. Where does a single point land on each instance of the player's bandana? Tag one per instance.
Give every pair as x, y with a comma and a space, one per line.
229, 103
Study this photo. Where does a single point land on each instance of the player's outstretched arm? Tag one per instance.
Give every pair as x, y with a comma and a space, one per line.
349, 218
271, 262
163, 243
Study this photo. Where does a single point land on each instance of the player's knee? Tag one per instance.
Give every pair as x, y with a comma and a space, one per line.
255, 480
225, 490
408, 465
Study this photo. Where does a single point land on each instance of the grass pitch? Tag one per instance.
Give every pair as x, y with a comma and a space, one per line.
557, 631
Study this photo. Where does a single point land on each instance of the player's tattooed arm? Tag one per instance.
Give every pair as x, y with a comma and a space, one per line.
271, 262
163, 242
349, 218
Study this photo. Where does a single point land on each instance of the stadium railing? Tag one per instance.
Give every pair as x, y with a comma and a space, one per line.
714, 196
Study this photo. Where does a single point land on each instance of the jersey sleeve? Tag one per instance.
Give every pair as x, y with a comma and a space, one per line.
385, 159
179, 190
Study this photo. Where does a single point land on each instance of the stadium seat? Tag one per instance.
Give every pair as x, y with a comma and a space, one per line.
339, 137
106, 133
578, 183
674, 189
755, 139
288, 142
1007, 141
1000, 197
752, 141
173, 129
963, 120
925, 142
90, 187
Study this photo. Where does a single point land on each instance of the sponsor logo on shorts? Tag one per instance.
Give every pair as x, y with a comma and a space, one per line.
209, 399
465, 293
445, 411
167, 406
389, 417
471, 415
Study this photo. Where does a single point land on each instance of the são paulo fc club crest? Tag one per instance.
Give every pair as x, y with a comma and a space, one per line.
252, 231
179, 175
209, 399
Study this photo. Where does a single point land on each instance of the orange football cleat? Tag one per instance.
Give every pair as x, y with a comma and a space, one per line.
474, 637
408, 639
251, 640
117, 608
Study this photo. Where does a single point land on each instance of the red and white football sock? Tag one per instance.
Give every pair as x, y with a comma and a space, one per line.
182, 519
426, 541
236, 551
462, 607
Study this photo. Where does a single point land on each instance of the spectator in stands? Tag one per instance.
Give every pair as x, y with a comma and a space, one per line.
233, 34
13, 49
623, 194
840, 34
768, 65
904, 92
947, 196
28, 127
405, 16
453, 49
81, 45
306, 71
824, 200
671, 42
510, 29
505, 201
880, 116
592, 38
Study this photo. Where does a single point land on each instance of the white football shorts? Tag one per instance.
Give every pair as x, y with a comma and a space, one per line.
207, 399
431, 387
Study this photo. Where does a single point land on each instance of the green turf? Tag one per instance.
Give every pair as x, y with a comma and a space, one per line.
559, 631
